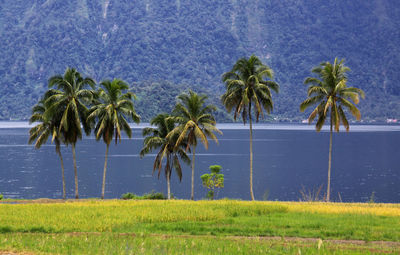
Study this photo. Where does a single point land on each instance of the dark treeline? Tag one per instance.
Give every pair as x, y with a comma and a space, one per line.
191, 43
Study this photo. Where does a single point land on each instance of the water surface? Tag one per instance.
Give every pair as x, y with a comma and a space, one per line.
286, 158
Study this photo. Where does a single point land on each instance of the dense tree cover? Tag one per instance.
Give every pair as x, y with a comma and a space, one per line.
194, 42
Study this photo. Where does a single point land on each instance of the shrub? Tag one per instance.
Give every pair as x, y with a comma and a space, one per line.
154, 195
147, 196
128, 196
1, 196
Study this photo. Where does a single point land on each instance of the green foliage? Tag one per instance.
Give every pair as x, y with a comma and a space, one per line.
248, 93
330, 93
195, 120
69, 97
247, 88
47, 126
161, 96
1, 196
148, 196
113, 108
213, 180
333, 98
194, 42
157, 138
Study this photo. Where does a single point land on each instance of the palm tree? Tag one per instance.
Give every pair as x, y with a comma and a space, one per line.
70, 97
331, 94
247, 89
195, 120
42, 131
112, 108
158, 138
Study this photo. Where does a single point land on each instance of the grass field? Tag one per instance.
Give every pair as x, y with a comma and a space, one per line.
201, 227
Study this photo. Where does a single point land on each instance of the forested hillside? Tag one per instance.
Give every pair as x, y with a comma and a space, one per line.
179, 44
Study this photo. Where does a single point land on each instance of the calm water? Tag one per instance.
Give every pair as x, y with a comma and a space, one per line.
286, 158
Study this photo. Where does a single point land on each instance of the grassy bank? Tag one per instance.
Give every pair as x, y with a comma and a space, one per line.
115, 224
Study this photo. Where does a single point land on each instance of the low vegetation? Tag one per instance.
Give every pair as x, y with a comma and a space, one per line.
185, 227
111, 243
151, 195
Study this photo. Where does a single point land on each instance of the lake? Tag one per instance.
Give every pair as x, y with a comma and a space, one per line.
287, 159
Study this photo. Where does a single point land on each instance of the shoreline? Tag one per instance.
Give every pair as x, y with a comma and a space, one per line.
240, 126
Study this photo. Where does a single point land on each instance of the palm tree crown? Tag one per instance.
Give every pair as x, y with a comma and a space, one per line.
112, 108
195, 120
71, 97
331, 93
246, 86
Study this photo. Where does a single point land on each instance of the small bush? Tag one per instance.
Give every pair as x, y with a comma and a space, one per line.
128, 196
1, 196
154, 195
151, 195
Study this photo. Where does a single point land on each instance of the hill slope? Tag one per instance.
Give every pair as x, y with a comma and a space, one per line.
193, 42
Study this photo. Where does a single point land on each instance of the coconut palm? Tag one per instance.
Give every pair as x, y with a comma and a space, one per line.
247, 91
42, 131
157, 138
112, 109
331, 94
194, 121
70, 97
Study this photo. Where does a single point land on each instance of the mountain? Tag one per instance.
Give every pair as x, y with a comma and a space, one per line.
186, 44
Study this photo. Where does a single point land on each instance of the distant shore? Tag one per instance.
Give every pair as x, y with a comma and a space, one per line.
259, 126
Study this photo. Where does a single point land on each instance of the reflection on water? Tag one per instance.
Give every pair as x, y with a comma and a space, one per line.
286, 157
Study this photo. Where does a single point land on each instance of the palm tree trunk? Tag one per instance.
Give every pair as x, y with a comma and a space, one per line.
251, 158
328, 192
75, 172
169, 185
192, 194
103, 187
62, 174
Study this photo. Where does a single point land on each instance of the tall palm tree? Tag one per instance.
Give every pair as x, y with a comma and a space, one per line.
112, 108
42, 131
194, 121
331, 94
157, 138
70, 96
247, 90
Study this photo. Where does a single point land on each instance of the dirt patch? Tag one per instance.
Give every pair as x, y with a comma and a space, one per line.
388, 244
14, 253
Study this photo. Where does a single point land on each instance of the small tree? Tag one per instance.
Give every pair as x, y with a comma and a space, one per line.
213, 180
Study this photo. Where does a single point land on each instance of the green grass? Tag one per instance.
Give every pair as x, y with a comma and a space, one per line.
108, 243
108, 227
